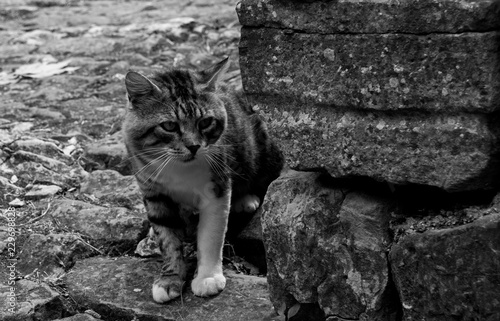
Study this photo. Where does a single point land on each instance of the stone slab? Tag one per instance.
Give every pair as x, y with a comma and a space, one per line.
450, 274
51, 254
327, 244
111, 187
438, 72
372, 16
120, 289
113, 225
456, 153
32, 301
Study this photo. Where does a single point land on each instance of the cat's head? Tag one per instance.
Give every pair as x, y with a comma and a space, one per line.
178, 112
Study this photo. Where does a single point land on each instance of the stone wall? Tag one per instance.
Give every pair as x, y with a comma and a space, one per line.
405, 93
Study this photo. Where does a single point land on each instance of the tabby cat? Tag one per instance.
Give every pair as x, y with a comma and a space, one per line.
196, 143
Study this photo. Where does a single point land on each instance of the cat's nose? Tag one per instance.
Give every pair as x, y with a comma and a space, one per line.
193, 148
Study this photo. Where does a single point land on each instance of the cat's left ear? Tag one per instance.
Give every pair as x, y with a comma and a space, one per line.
208, 78
138, 85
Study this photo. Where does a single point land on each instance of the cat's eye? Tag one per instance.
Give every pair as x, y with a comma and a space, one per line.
205, 122
170, 126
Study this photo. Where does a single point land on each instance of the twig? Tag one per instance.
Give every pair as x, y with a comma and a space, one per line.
36, 218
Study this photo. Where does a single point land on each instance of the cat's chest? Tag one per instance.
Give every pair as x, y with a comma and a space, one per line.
187, 183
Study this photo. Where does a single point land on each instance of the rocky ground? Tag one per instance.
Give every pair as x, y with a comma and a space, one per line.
72, 215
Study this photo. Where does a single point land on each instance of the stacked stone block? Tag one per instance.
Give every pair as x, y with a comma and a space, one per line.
403, 92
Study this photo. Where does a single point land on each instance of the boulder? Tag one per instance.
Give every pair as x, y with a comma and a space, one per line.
326, 244
450, 273
120, 289
381, 16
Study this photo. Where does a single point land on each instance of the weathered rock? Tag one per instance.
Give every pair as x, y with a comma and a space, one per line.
42, 191
51, 254
326, 244
112, 187
120, 289
110, 225
385, 16
33, 301
451, 152
450, 273
110, 153
439, 72
79, 317
34, 168
8, 189
42, 147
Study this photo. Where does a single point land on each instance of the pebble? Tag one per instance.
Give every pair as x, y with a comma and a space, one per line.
42, 191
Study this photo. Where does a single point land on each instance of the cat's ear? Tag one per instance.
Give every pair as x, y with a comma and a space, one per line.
139, 85
209, 78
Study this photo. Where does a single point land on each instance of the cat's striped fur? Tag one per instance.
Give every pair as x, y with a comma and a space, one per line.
195, 143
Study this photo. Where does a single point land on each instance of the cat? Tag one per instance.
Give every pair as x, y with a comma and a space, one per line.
195, 143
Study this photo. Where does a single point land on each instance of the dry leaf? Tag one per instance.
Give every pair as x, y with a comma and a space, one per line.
43, 69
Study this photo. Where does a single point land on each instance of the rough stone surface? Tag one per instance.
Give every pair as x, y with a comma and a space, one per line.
33, 168
112, 187
109, 153
438, 72
107, 224
450, 274
42, 191
120, 289
451, 152
327, 244
51, 254
79, 317
373, 16
34, 301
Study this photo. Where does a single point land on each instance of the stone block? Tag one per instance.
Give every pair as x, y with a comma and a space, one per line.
120, 289
373, 16
327, 244
446, 73
455, 152
450, 274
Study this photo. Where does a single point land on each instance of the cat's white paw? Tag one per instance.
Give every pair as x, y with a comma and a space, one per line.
167, 288
205, 286
248, 203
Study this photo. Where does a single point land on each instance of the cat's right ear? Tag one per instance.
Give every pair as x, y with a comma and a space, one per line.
138, 85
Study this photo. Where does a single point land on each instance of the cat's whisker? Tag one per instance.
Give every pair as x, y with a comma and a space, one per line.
157, 172
151, 163
215, 166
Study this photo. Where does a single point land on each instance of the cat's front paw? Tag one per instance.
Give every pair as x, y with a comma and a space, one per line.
205, 286
248, 203
167, 288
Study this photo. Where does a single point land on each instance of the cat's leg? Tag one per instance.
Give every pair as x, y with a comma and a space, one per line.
167, 228
214, 213
173, 270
